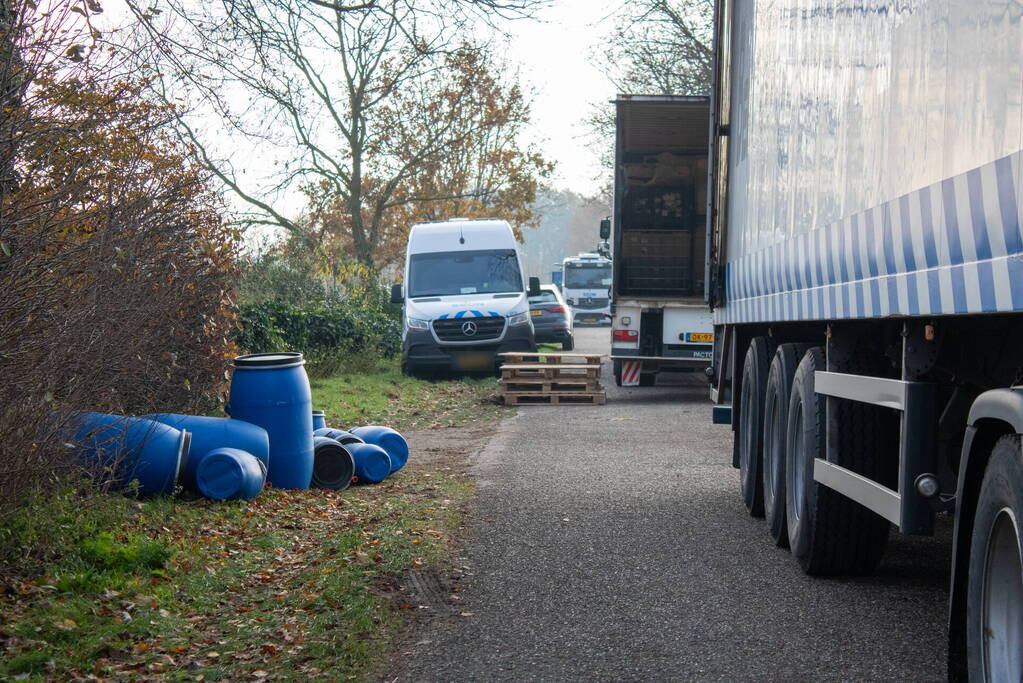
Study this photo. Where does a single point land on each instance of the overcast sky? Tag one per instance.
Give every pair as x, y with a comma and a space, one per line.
554, 54
556, 57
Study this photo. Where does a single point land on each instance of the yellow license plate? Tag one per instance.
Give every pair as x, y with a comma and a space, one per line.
474, 361
706, 337
536, 313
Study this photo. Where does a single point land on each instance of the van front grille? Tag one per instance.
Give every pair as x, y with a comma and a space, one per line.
469, 329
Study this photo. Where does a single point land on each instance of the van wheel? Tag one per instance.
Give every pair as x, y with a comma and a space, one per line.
994, 611
751, 416
776, 412
830, 534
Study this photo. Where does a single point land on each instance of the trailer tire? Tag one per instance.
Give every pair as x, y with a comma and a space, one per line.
994, 611
776, 411
829, 534
751, 417
647, 379
616, 366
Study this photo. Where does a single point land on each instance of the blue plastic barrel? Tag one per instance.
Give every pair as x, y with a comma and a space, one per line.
319, 420
339, 435
209, 433
333, 465
272, 390
388, 439
132, 448
372, 464
228, 473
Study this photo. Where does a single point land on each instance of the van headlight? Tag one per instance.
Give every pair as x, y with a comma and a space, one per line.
417, 324
518, 319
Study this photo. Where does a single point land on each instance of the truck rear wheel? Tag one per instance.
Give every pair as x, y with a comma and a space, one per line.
751, 416
828, 533
647, 379
994, 612
616, 365
776, 412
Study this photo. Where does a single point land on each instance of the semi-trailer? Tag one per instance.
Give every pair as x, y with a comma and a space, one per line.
660, 321
865, 270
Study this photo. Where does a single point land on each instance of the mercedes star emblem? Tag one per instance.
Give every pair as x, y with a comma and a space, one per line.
468, 328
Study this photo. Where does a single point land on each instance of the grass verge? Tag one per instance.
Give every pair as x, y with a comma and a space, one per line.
290, 585
382, 395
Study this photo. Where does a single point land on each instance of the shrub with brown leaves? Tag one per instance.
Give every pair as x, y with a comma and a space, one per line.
116, 267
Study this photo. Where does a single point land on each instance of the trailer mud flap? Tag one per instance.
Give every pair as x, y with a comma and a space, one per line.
630, 372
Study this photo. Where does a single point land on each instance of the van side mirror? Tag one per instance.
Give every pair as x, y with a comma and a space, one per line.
397, 295
534, 286
605, 228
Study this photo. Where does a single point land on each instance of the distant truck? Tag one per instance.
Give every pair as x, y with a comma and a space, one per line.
866, 275
586, 286
465, 297
660, 321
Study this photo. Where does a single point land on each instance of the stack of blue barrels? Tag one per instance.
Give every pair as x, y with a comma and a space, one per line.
272, 437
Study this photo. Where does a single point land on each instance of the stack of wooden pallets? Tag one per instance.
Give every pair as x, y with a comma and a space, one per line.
551, 379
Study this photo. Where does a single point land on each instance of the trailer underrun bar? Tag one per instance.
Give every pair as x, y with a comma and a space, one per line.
916, 401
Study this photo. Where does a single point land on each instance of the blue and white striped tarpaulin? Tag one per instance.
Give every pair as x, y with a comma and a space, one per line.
953, 247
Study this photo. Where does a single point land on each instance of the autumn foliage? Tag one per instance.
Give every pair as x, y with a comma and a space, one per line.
116, 267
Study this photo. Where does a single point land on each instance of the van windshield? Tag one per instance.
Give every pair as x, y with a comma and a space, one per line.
487, 271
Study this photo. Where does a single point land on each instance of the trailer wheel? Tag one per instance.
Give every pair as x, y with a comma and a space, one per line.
776, 412
751, 416
647, 379
994, 612
616, 366
828, 533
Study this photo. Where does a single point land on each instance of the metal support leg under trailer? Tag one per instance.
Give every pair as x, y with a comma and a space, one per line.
906, 508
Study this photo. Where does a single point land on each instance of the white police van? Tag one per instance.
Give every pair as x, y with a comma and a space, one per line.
465, 296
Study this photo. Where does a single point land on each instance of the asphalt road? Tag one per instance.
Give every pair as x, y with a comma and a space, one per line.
610, 543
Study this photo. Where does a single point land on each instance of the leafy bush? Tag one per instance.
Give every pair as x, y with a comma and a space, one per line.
297, 295
327, 333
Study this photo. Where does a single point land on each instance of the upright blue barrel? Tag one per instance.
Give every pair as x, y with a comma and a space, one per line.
272, 390
210, 433
131, 449
319, 420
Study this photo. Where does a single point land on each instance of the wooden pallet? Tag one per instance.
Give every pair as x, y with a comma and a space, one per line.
559, 358
593, 398
535, 385
549, 371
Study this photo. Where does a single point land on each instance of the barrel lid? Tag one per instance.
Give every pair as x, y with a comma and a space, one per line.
279, 359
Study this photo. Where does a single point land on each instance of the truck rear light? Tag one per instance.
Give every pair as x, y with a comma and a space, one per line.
625, 335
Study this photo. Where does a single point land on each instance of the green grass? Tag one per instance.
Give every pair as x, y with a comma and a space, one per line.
291, 585
382, 395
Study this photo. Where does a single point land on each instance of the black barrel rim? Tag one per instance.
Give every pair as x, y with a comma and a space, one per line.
278, 359
333, 467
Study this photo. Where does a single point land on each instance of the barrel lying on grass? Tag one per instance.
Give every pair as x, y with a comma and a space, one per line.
123, 450
333, 465
209, 433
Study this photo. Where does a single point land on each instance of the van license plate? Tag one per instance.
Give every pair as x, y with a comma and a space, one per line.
474, 361
705, 337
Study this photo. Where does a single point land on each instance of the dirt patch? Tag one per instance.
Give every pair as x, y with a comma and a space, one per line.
427, 596
451, 447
